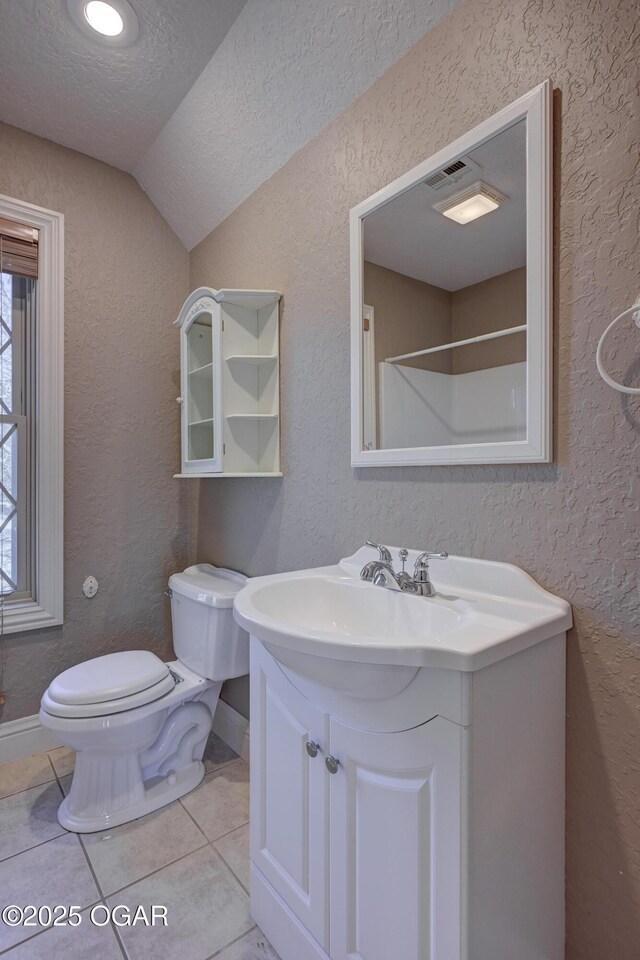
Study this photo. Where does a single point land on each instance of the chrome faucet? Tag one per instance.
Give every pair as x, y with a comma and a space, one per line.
380, 572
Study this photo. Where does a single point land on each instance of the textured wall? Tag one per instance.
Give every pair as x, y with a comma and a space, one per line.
408, 315
494, 304
411, 314
126, 276
573, 524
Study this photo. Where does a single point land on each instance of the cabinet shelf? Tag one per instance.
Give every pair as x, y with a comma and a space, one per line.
251, 416
201, 423
204, 371
222, 475
255, 360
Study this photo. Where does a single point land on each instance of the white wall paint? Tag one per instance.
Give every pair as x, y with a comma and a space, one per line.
285, 69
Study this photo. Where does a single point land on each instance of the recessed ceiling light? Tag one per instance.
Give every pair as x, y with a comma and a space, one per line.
113, 23
104, 18
472, 202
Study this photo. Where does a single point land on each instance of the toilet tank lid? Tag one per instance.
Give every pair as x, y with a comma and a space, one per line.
204, 583
109, 677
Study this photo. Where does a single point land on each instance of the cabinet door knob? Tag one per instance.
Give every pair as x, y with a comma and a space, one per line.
312, 748
332, 764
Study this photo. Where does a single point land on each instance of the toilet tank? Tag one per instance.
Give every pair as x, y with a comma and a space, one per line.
206, 638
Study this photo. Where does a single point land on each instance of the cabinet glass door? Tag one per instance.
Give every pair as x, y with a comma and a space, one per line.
201, 444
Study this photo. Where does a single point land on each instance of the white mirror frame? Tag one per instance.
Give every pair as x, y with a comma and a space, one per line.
536, 108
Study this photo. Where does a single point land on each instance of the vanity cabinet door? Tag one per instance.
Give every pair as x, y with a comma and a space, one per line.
395, 843
289, 793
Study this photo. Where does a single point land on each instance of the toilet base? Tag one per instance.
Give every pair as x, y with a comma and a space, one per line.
133, 762
157, 793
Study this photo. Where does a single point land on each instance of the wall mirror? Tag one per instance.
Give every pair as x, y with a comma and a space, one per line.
451, 301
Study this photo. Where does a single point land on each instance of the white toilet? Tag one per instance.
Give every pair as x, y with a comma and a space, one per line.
139, 726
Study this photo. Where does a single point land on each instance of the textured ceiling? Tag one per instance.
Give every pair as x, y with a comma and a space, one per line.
213, 97
110, 103
407, 235
285, 69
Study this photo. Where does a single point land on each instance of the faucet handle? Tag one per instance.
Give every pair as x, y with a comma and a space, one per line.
422, 564
385, 556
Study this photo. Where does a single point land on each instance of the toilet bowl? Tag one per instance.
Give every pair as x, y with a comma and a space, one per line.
139, 726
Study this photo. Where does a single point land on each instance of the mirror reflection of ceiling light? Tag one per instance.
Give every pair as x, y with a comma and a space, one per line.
111, 22
472, 202
104, 18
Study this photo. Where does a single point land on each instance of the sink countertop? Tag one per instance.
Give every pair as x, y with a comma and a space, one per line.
483, 611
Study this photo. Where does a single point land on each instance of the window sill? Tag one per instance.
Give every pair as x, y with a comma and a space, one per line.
20, 617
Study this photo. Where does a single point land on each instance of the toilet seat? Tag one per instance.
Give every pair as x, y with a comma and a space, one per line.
109, 684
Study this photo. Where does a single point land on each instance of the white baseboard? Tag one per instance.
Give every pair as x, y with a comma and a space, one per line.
233, 728
24, 738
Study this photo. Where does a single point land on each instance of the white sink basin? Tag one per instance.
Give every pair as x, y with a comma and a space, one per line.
329, 608
481, 613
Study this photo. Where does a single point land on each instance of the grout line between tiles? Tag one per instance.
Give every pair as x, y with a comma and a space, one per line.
110, 896
222, 835
206, 841
120, 941
52, 765
60, 776
33, 785
212, 773
100, 891
228, 865
38, 933
35, 846
231, 942
90, 865
57, 776
193, 819
220, 766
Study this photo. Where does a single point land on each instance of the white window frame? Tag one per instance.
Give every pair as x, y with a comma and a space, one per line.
46, 609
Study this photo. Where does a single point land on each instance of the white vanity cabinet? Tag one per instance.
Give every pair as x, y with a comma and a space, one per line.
433, 840
229, 383
364, 856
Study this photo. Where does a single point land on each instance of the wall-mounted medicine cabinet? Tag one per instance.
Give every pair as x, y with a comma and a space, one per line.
230, 383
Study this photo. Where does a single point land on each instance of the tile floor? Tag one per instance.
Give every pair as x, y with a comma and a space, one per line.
192, 857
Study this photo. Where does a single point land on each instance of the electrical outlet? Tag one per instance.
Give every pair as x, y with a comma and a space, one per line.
90, 587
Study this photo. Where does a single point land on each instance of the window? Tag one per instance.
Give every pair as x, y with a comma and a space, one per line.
17, 315
31, 328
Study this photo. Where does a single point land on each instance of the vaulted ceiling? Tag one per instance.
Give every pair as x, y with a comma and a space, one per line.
108, 102
213, 97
